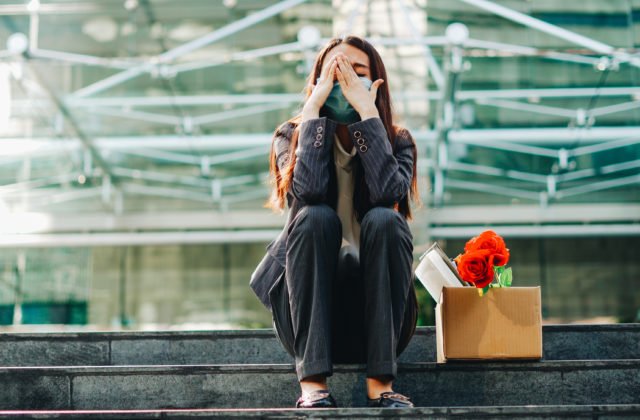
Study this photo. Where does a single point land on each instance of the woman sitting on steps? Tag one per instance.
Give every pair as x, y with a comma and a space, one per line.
338, 279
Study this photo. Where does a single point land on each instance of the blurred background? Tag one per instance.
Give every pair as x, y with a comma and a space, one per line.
134, 140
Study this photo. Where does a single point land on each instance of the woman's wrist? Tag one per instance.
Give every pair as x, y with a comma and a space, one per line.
369, 112
310, 111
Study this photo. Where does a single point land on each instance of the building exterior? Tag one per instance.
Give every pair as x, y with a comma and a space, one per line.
134, 141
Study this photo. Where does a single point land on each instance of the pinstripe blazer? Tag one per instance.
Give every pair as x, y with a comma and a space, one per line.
387, 176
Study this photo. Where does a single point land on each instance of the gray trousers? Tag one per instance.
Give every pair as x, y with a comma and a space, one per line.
343, 310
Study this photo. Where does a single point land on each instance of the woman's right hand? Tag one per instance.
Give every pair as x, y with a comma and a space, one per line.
320, 91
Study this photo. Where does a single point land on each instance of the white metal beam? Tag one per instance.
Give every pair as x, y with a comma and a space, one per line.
550, 29
556, 111
237, 56
492, 189
238, 112
86, 142
514, 139
534, 214
51, 8
230, 29
605, 110
295, 98
150, 117
38, 183
236, 156
177, 52
114, 80
29, 222
135, 239
543, 135
526, 107
355, 12
165, 192
491, 171
166, 177
44, 198
603, 170
599, 186
89, 60
203, 161
541, 194
530, 51
165, 156
605, 146
551, 231
432, 64
184, 100
12, 241
588, 92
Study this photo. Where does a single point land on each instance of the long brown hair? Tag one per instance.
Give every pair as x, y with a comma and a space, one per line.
282, 181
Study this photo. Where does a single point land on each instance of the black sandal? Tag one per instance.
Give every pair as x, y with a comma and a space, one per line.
316, 399
390, 399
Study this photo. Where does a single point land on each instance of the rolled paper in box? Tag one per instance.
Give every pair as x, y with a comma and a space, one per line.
435, 271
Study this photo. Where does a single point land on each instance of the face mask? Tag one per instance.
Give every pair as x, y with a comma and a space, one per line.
337, 108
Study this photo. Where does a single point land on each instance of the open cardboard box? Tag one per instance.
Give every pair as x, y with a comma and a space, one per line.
505, 323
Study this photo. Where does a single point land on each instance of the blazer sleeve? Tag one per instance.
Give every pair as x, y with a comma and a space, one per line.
313, 158
281, 145
387, 172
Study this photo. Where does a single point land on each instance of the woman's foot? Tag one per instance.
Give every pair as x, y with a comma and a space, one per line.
390, 400
315, 393
313, 383
378, 385
316, 399
381, 394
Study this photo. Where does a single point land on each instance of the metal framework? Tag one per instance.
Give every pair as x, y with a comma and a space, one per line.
201, 158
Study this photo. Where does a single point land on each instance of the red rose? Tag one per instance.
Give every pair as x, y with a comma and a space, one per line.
476, 267
492, 242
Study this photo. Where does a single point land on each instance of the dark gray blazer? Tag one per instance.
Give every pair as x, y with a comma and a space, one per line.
387, 174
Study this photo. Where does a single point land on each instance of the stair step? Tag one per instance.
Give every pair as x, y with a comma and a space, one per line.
265, 386
547, 412
561, 342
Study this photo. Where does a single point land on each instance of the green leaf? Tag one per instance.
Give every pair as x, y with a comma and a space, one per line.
498, 269
506, 278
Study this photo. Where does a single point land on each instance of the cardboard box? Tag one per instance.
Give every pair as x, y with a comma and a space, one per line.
505, 323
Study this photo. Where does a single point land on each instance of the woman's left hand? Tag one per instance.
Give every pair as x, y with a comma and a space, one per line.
362, 100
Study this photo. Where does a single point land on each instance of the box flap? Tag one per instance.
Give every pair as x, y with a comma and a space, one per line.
440, 355
435, 271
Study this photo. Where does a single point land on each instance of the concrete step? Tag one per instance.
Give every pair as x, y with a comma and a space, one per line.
561, 342
509, 412
274, 386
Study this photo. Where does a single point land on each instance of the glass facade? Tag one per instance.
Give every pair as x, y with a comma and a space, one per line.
134, 141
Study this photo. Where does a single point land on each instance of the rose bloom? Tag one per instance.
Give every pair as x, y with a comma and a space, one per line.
476, 267
492, 242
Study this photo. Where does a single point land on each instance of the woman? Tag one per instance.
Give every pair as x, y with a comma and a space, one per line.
338, 279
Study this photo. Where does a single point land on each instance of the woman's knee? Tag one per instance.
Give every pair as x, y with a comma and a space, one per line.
317, 217
383, 219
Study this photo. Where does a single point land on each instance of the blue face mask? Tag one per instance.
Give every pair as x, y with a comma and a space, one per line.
337, 108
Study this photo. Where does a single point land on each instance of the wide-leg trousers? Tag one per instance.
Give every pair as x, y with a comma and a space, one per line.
345, 309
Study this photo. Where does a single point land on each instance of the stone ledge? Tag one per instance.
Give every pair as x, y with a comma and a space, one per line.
561, 342
546, 411
244, 386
